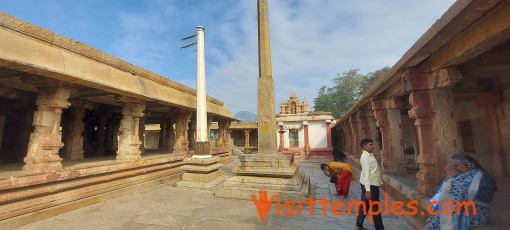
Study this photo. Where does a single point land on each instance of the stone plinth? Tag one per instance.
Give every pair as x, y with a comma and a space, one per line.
201, 173
274, 173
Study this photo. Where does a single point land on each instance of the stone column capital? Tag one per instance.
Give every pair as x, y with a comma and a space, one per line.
441, 78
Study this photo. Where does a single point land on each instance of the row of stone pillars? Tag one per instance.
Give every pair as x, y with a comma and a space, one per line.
431, 102
46, 139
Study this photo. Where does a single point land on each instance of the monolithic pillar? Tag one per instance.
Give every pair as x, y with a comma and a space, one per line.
45, 140
129, 131
265, 90
432, 104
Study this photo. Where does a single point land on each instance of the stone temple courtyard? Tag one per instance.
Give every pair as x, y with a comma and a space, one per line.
167, 206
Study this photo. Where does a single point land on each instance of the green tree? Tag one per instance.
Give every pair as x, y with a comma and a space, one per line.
347, 88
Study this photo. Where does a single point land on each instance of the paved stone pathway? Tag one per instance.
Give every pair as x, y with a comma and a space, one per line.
168, 207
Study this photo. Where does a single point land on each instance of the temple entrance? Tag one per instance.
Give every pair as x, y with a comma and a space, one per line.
293, 138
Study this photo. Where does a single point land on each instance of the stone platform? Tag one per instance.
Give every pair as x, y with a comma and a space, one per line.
274, 173
201, 173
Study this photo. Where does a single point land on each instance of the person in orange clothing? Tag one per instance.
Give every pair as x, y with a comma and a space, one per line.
341, 175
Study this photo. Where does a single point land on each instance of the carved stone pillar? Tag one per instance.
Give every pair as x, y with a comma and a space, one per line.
219, 135
226, 138
355, 149
365, 125
182, 120
101, 137
348, 137
169, 136
73, 149
162, 131
246, 138
432, 104
489, 102
45, 140
209, 123
142, 130
129, 132
387, 115
192, 133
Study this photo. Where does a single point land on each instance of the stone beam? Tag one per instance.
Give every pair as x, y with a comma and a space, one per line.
489, 32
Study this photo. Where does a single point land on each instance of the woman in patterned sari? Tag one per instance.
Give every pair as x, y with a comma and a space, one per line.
467, 181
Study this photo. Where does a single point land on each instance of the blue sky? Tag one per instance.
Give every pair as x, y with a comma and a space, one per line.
311, 40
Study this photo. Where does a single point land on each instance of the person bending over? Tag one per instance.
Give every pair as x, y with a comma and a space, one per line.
341, 175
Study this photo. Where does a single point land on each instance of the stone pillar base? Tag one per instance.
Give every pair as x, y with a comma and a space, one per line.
273, 173
201, 173
43, 167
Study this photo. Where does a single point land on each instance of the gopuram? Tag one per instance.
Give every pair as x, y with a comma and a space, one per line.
266, 170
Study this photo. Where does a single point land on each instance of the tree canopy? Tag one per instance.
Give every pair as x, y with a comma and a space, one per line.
346, 89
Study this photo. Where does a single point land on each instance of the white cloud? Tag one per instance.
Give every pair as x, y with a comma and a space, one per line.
311, 40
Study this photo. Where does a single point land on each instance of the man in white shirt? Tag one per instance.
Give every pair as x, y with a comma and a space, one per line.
370, 180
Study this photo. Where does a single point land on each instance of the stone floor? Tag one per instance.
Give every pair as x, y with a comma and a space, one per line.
169, 207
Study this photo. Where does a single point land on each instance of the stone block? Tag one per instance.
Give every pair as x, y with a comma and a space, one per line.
245, 192
201, 168
201, 177
202, 185
266, 171
202, 161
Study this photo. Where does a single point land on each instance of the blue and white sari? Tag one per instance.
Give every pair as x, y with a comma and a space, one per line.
474, 185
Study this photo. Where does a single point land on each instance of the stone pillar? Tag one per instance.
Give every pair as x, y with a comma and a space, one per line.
265, 88
45, 140
111, 133
355, 136
73, 149
246, 138
364, 122
169, 132
162, 131
101, 137
281, 147
181, 132
387, 115
202, 169
275, 173
129, 131
348, 139
226, 135
328, 133
432, 104
142, 130
209, 123
192, 136
307, 135
489, 102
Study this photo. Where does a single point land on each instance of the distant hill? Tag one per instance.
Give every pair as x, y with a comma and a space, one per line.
246, 116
